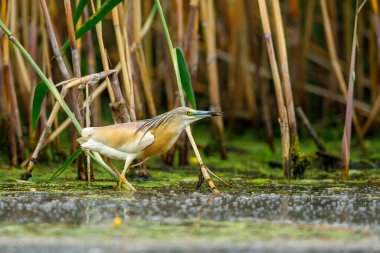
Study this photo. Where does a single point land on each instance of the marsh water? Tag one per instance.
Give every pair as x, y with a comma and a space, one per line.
351, 207
296, 219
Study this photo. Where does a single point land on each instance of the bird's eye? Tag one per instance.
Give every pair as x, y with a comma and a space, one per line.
188, 113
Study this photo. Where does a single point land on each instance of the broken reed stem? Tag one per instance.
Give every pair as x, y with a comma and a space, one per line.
209, 33
91, 78
53, 115
119, 108
278, 89
95, 94
337, 68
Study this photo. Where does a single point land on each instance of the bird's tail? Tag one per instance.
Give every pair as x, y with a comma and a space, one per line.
83, 139
86, 133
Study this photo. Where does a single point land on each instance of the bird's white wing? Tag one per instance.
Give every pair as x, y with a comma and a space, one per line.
138, 144
123, 137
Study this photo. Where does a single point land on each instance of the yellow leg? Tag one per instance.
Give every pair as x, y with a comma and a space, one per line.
128, 161
140, 163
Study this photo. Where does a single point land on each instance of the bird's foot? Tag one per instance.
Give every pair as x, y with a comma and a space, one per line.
122, 179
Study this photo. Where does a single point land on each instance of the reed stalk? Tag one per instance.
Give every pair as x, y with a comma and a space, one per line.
346, 142
33, 40
283, 119
22, 81
180, 30
361, 58
203, 167
233, 48
73, 43
337, 69
117, 105
295, 39
245, 55
24, 20
91, 66
376, 26
373, 66
287, 88
140, 58
191, 44
258, 56
11, 133
306, 39
122, 54
209, 33
71, 97
16, 144
103, 55
191, 48
132, 107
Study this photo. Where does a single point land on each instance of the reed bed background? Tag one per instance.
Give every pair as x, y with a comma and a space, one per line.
254, 60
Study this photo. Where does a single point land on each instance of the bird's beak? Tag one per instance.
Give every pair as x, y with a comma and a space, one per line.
203, 114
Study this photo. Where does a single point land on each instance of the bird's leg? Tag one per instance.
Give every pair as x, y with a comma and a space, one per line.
143, 173
128, 161
139, 163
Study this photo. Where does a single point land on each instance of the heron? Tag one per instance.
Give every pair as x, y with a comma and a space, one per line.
140, 139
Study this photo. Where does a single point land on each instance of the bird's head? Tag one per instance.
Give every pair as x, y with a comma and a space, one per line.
187, 115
